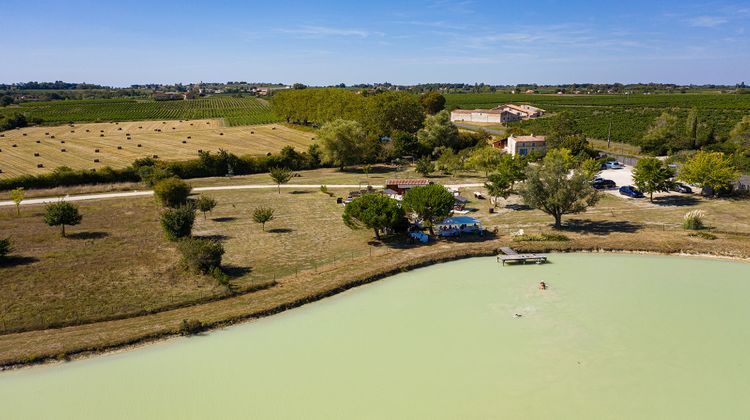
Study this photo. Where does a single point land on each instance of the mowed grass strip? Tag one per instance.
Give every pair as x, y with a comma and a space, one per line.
117, 263
118, 143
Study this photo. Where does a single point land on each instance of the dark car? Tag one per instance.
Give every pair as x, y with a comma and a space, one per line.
603, 184
681, 188
630, 191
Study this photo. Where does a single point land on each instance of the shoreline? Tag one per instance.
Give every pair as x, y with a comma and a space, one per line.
477, 250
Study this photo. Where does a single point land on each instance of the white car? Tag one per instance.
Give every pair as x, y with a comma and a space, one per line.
613, 164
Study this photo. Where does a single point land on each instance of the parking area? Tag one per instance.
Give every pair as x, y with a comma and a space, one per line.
621, 177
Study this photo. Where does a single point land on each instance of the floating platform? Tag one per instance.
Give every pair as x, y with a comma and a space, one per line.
512, 256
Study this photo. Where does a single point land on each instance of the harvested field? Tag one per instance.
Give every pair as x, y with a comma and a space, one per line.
117, 144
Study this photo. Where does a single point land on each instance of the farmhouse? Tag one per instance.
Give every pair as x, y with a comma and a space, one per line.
498, 114
523, 145
494, 115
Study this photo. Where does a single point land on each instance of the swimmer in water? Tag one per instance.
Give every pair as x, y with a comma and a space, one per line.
542, 285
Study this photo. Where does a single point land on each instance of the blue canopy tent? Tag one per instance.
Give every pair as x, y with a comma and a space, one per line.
457, 225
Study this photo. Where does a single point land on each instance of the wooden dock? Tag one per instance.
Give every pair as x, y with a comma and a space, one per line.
510, 255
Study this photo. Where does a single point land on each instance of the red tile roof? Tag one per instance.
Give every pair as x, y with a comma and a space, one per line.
408, 181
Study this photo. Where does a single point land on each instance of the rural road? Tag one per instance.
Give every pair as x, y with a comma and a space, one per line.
129, 194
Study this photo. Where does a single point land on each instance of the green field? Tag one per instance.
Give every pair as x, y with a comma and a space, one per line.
235, 111
630, 115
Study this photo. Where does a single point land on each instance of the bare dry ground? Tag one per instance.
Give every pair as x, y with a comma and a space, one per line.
117, 265
118, 143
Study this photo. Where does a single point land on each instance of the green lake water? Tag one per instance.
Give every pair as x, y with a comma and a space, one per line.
615, 336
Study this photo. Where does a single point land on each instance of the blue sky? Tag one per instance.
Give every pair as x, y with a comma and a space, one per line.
327, 42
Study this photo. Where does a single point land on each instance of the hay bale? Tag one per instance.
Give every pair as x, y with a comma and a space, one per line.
139, 145
156, 156
96, 150
190, 137
24, 134
119, 147
184, 142
39, 165
101, 135
62, 150
15, 145
96, 160
38, 142
36, 154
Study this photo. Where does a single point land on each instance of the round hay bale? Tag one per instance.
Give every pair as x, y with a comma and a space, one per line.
119, 147
184, 142
36, 154
96, 160
15, 145
96, 150
62, 150
39, 165
139, 145
24, 134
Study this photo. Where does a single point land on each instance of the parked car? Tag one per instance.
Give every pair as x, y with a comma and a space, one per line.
603, 184
630, 191
613, 164
681, 188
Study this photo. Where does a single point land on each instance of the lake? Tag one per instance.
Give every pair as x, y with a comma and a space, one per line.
614, 336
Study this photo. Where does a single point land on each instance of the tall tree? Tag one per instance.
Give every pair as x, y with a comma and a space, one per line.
691, 128
557, 188
498, 185
438, 131
512, 168
740, 134
432, 102
652, 175
663, 135
425, 166
342, 142
431, 203
280, 176
373, 211
711, 171
484, 159
389, 111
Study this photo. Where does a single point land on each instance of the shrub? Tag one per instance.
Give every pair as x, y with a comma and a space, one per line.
172, 192
191, 327
542, 237
425, 166
693, 220
62, 213
201, 255
703, 235
6, 247
178, 223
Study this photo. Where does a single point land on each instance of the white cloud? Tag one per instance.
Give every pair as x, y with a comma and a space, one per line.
327, 31
707, 21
